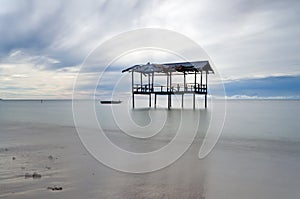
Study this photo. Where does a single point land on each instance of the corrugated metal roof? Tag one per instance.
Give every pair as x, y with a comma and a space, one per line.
197, 66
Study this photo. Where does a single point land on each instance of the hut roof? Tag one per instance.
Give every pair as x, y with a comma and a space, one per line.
196, 66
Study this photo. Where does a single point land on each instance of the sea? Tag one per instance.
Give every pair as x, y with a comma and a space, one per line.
250, 149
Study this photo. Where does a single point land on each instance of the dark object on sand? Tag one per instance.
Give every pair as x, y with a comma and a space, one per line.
13, 158
34, 175
110, 102
55, 188
50, 157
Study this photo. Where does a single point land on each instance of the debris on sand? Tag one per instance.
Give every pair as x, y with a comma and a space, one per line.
50, 157
34, 175
3, 149
55, 188
13, 158
47, 167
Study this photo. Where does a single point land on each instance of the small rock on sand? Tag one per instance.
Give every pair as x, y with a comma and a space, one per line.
55, 188
13, 158
50, 157
34, 175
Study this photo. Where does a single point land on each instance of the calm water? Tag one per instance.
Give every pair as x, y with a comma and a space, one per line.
257, 155
247, 119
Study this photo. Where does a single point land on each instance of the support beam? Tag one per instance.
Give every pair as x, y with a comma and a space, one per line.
170, 89
184, 81
155, 96
141, 81
195, 81
206, 80
132, 100
169, 101
149, 81
132, 88
201, 81
167, 81
152, 89
194, 100
150, 100
206, 90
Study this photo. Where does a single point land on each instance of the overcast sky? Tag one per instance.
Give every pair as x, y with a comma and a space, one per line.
43, 43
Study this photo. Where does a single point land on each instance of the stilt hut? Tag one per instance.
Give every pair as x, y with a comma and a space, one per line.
146, 86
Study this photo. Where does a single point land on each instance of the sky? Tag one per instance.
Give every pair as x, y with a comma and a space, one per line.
253, 44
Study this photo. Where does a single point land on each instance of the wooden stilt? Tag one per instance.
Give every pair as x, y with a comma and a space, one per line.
149, 100
206, 91
132, 88
169, 101
152, 89
195, 81
132, 100
184, 82
141, 82
155, 100
194, 99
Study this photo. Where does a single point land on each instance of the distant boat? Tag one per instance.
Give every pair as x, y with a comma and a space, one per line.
110, 102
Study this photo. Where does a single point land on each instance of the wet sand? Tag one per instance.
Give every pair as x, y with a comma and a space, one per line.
236, 168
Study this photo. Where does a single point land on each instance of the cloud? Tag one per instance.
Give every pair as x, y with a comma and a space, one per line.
243, 38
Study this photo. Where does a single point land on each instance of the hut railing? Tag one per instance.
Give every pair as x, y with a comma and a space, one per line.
188, 87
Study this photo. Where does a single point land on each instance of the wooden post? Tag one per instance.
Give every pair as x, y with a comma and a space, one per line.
152, 89
201, 81
155, 100
149, 82
206, 90
149, 99
169, 102
184, 81
132, 87
194, 98
206, 80
141, 81
182, 100
195, 81
167, 81
170, 88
